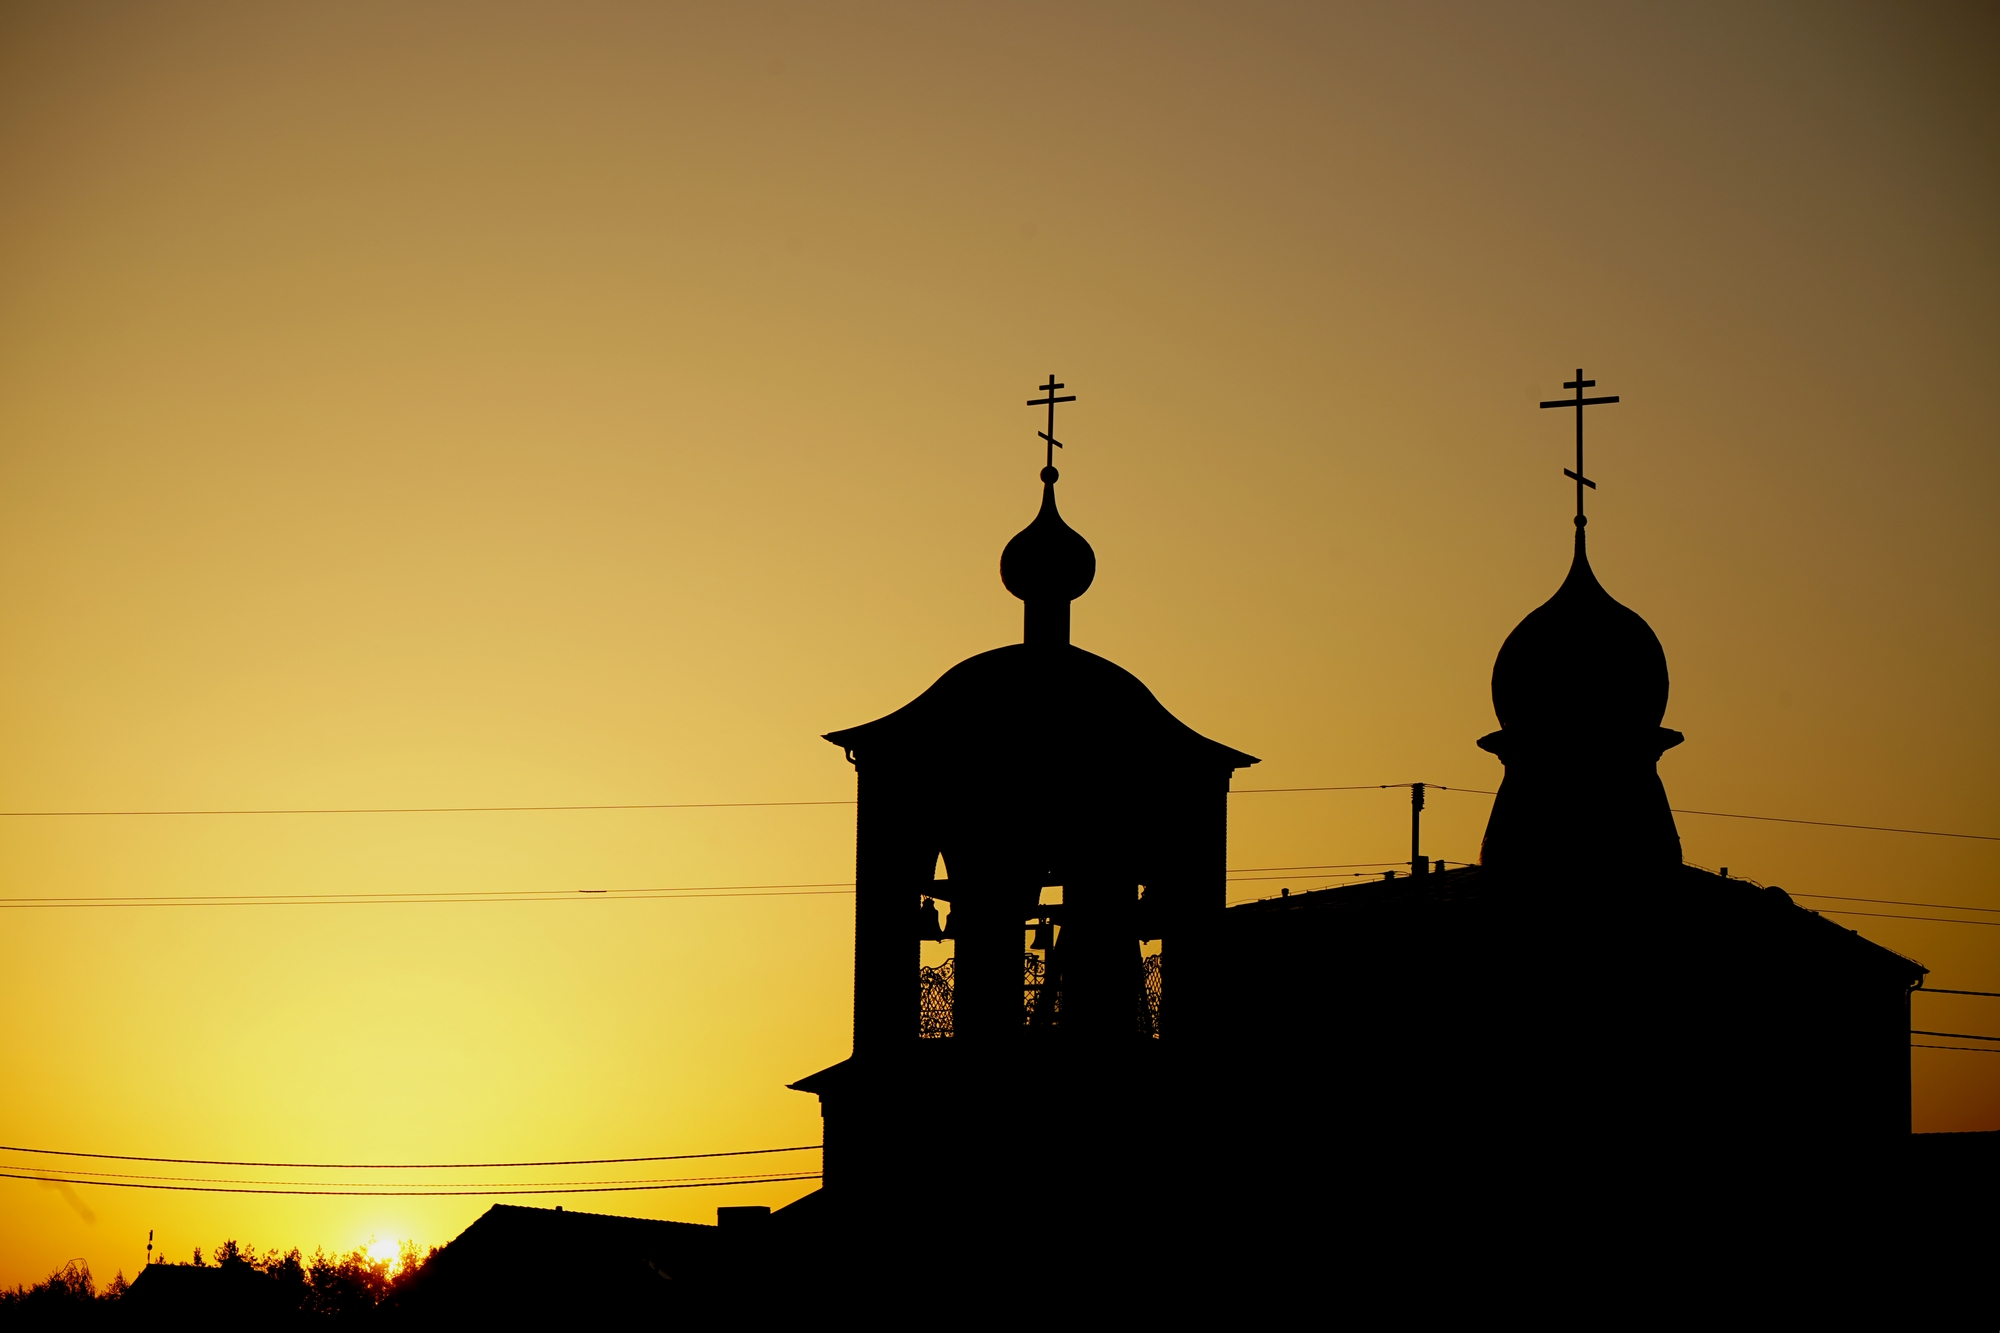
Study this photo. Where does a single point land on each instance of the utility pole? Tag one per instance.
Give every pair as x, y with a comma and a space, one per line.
1419, 863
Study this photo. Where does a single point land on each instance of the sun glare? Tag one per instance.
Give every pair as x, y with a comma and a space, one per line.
382, 1251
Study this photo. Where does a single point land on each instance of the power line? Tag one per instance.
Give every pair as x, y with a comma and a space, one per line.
697, 893
1269, 791
759, 805
412, 809
691, 893
1716, 814
1976, 1050
1328, 865
114, 1177
1900, 902
1828, 823
1768, 819
418, 1193
451, 896
503, 895
405, 1166
1902, 916
1955, 1036
1365, 786
1241, 879
545, 809
1940, 990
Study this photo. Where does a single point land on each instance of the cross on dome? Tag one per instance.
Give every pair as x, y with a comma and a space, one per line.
1579, 403
1048, 564
1050, 434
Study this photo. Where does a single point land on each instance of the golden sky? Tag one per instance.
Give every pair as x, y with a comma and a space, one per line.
446, 405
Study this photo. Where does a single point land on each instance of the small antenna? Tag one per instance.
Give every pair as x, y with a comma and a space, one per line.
1419, 864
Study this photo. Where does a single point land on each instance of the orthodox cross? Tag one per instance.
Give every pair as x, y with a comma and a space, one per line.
1051, 401
1579, 403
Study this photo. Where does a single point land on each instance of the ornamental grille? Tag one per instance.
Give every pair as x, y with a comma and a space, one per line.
1041, 1003
1149, 996
934, 1000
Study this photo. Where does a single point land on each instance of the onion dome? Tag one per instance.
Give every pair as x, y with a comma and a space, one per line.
1581, 662
1048, 565
1580, 687
1048, 560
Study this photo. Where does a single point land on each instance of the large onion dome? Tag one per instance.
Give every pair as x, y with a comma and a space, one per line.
1580, 688
1581, 662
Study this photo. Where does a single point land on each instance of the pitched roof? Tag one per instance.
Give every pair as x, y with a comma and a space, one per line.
1692, 899
514, 1259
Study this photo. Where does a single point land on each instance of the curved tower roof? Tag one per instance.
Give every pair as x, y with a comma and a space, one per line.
1065, 705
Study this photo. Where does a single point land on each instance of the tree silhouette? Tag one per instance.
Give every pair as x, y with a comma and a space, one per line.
327, 1288
66, 1298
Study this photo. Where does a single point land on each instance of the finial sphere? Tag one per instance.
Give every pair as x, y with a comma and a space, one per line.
1051, 476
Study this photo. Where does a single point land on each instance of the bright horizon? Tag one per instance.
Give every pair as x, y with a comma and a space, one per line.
594, 405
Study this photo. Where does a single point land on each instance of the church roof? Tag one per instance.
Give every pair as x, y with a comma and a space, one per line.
1697, 907
1055, 698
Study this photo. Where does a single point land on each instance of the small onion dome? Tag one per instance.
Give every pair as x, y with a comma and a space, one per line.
1048, 561
1581, 662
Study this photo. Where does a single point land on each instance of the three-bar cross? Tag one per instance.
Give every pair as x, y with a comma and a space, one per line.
1579, 403
1050, 434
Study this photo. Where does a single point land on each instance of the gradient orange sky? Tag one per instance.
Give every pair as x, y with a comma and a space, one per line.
511, 404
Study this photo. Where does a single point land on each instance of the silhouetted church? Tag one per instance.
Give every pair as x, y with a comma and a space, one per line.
1061, 798
1581, 985
1113, 1048
1581, 1080
1581, 982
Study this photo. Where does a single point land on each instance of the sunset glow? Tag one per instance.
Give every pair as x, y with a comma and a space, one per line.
528, 429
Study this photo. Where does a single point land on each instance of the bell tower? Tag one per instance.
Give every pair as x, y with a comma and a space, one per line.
1082, 829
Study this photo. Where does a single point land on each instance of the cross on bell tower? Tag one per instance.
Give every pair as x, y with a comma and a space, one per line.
1579, 403
1050, 434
